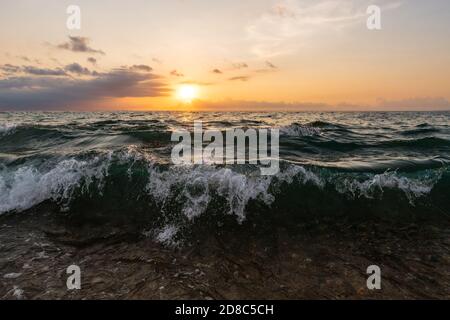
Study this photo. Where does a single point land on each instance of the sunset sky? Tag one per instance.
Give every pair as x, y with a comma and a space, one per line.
224, 55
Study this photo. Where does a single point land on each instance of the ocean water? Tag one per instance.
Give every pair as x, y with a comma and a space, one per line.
116, 165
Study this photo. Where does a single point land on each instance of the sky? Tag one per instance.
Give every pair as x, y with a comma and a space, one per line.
236, 55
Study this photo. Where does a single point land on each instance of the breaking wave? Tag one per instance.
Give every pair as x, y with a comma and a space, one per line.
192, 190
7, 128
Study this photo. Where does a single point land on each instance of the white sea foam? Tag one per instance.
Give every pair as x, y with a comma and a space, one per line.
7, 128
28, 186
12, 275
196, 185
412, 187
17, 293
167, 234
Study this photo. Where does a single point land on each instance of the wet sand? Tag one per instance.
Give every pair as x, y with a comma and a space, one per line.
321, 260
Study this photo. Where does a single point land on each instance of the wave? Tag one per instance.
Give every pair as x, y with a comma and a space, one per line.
427, 142
346, 144
130, 184
368, 188
30, 131
322, 124
28, 186
116, 167
191, 190
298, 130
420, 131
7, 128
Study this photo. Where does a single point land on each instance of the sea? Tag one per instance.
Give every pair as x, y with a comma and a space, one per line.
116, 166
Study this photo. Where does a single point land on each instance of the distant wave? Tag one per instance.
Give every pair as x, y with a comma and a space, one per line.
7, 128
298, 130
420, 131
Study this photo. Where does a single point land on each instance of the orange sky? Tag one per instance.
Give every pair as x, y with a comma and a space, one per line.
234, 55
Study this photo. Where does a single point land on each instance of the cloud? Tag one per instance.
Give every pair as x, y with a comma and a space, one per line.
43, 71
73, 68
79, 44
77, 69
217, 71
271, 65
92, 60
9, 68
175, 73
291, 24
240, 65
240, 78
50, 93
141, 67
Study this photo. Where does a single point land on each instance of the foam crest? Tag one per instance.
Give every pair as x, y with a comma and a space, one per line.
28, 186
196, 186
7, 128
412, 187
297, 130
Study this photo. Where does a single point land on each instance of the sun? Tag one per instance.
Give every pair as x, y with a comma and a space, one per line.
187, 92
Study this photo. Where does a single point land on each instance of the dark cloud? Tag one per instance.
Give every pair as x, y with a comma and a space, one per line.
78, 44
27, 83
92, 60
271, 65
74, 68
240, 78
43, 71
9, 68
175, 73
217, 71
141, 67
50, 93
77, 69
